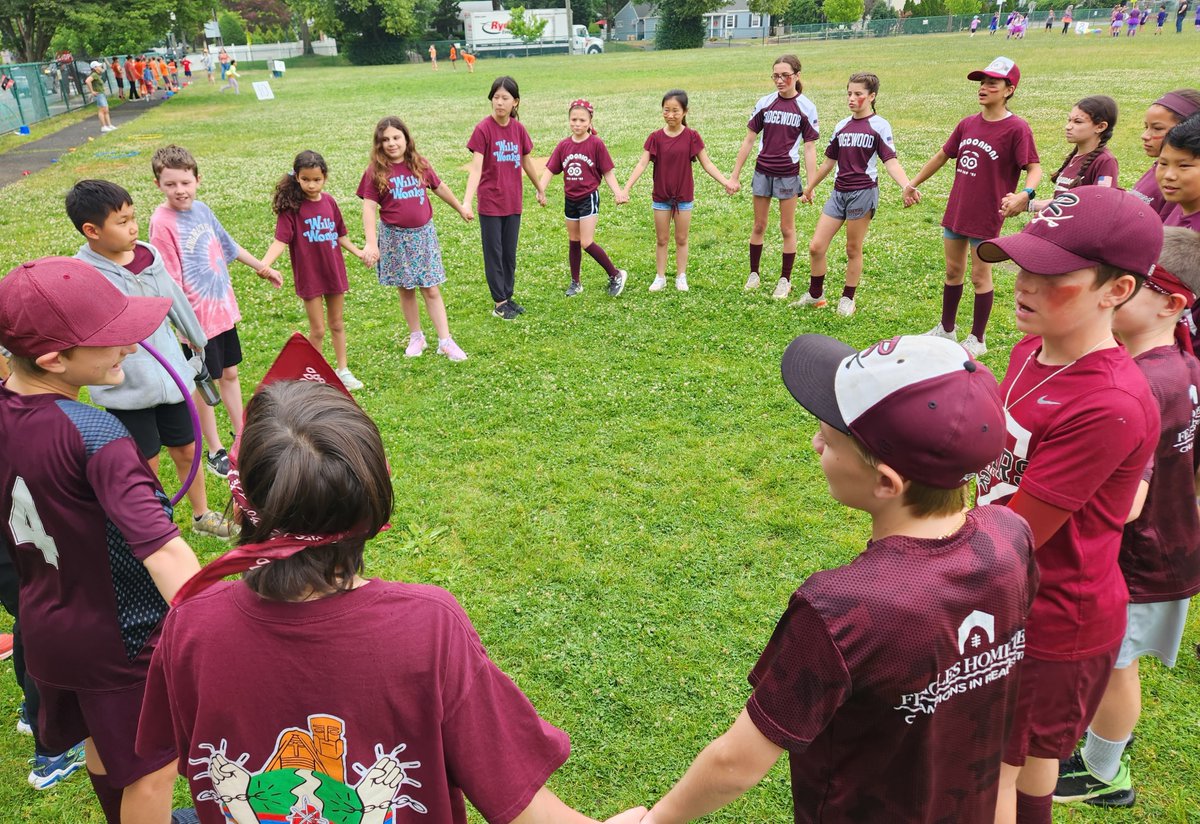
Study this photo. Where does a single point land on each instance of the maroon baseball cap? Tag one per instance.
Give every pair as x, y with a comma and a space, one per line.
1002, 68
919, 403
55, 303
1084, 227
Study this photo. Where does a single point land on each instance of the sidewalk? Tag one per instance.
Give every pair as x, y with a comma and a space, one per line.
36, 155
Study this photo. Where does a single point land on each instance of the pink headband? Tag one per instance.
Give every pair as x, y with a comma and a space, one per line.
1178, 104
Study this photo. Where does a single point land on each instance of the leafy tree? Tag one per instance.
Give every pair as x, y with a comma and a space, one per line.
681, 23
924, 8
262, 14
881, 10
445, 20
233, 28
843, 11
28, 26
526, 28
803, 12
775, 8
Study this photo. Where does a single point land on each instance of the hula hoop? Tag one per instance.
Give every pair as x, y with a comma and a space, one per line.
191, 404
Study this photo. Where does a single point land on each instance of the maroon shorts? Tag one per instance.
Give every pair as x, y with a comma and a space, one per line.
110, 719
1055, 703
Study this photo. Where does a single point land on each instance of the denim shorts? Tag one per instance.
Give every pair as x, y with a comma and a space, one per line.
678, 206
949, 234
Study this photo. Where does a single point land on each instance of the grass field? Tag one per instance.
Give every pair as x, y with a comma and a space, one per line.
620, 492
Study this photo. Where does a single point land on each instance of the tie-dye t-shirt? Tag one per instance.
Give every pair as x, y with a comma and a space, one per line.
196, 250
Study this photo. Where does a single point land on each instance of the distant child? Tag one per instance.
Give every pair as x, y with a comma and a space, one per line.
974, 25
991, 149
187, 69
993, 24
88, 526
1160, 551
147, 77
867, 680
453, 57
781, 122
131, 74
1163, 115
95, 87
469, 59
1082, 428
231, 78
118, 75
309, 225
148, 402
583, 161
433, 56
1132, 23
1178, 174
315, 487
207, 62
401, 240
1067, 18
196, 250
1050, 21
500, 150
857, 144
1162, 19
672, 149
1090, 163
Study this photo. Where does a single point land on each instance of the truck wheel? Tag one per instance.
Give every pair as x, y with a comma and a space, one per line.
510, 55
593, 50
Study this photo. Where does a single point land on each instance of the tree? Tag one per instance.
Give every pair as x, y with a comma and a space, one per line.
881, 10
774, 8
445, 20
681, 23
233, 28
262, 14
963, 7
525, 28
843, 11
803, 12
28, 26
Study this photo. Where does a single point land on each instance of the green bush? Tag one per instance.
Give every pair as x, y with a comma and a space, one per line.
377, 49
679, 32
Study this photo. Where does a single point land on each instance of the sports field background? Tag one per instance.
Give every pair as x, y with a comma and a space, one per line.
620, 492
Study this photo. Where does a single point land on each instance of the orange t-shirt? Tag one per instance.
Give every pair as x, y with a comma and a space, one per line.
453, 53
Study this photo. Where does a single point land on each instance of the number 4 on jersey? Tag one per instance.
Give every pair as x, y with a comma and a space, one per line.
26, 524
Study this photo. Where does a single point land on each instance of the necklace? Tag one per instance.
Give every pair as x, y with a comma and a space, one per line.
1051, 376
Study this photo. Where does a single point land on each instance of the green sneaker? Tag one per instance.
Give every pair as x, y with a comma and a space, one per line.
1077, 783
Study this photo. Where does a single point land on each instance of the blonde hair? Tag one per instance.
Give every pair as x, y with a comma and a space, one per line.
924, 500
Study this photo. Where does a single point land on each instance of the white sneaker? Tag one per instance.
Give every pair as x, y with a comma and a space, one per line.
416, 345
806, 299
348, 380
106, 128
974, 346
782, 289
660, 283
845, 306
752, 282
681, 282
939, 332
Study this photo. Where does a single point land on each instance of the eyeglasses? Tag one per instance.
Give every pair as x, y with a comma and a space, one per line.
782, 76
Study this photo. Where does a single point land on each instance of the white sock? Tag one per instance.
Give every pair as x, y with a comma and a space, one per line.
444, 341
1101, 756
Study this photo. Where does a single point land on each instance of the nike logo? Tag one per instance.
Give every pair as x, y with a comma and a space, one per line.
1044, 401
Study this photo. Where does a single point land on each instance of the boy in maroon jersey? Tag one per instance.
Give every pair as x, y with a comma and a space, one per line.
1082, 427
1160, 551
889, 681
87, 524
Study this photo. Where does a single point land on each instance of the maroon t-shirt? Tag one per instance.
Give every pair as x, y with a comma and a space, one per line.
855, 145
891, 681
1160, 551
784, 125
405, 203
1147, 189
990, 155
1102, 171
672, 158
142, 258
502, 148
1176, 217
82, 511
582, 165
1078, 439
382, 697
311, 233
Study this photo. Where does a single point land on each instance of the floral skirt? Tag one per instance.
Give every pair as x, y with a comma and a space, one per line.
409, 258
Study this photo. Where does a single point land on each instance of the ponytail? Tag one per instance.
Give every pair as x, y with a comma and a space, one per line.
288, 195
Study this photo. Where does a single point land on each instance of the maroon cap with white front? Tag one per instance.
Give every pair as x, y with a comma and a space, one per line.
1082, 228
918, 403
1002, 68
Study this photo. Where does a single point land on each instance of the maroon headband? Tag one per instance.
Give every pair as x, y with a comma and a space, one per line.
1178, 104
1165, 283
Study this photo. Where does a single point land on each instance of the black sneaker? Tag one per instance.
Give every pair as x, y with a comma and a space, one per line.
617, 285
505, 312
1077, 783
518, 308
217, 463
574, 289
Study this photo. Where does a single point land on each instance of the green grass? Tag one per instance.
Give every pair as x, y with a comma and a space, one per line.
627, 491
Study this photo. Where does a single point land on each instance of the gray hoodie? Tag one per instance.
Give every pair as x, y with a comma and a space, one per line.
146, 383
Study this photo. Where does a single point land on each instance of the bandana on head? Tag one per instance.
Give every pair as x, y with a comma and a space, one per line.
1178, 104
1165, 283
581, 103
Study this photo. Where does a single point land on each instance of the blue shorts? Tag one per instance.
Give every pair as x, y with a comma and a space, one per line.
678, 206
101, 101
949, 234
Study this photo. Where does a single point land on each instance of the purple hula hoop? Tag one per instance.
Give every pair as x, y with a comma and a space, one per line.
191, 404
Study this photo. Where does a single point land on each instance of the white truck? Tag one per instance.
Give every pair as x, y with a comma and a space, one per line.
488, 34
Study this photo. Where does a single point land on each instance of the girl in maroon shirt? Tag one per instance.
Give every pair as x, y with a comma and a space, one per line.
1163, 115
1090, 163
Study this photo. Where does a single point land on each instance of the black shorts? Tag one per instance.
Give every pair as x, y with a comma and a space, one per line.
222, 352
120, 83
578, 209
169, 424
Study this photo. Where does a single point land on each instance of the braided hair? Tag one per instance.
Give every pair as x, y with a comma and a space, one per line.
1099, 108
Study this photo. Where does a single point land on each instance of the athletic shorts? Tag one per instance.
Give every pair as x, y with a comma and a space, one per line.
223, 351
1153, 629
678, 206
1055, 703
168, 424
780, 188
578, 209
853, 205
120, 82
950, 234
110, 719
101, 101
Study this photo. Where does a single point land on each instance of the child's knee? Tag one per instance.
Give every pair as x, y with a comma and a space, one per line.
229, 374
431, 292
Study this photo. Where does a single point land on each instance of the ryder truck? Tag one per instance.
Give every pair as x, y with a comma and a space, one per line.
488, 34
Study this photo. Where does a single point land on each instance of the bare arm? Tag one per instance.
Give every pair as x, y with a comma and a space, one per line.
548, 808
171, 566
261, 269
619, 196
911, 195
810, 159
815, 180
531, 173
277, 248
346, 243
897, 173
742, 155
443, 191
638, 170
707, 165
474, 173
370, 251
1014, 203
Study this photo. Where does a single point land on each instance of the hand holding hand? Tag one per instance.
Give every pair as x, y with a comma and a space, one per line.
270, 275
630, 816
1014, 203
541, 197
466, 213
911, 196
732, 187
806, 196
621, 197
370, 254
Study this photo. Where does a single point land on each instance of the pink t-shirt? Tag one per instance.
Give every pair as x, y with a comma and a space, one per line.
502, 148
405, 203
196, 250
582, 165
1147, 189
380, 699
855, 145
311, 234
784, 125
672, 158
990, 155
1102, 171
1078, 439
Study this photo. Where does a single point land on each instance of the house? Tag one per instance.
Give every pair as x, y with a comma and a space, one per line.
640, 22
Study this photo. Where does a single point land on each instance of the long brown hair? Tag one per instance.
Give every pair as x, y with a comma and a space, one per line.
381, 165
793, 61
1099, 108
289, 197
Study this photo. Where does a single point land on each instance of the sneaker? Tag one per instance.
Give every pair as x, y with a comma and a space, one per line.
186, 815
939, 332
48, 770
660, 283
845, 306
516, 307
681, 282
574, 289
975, 346
217, 462
752, 282
416, 345
106, 128
215, 525
505, 311
1077, 783
617, 285
23, 725
6, 646
451, 350
348, 380
806, 299
782, 289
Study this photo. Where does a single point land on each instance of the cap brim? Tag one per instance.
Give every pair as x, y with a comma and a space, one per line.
1033, 254
809, 368
134, 324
